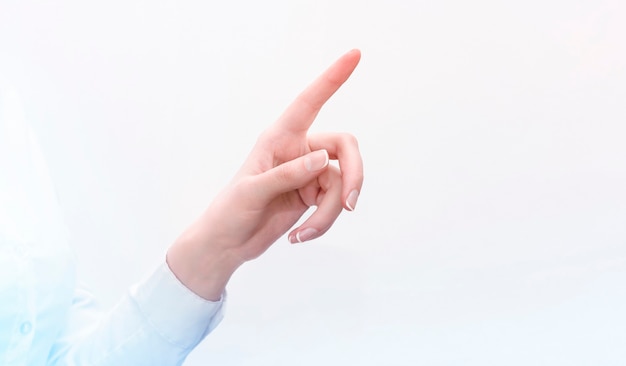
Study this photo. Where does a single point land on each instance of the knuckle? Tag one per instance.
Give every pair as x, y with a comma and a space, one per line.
348, 139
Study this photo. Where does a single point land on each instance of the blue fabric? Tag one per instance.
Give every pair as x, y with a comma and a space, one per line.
45, 319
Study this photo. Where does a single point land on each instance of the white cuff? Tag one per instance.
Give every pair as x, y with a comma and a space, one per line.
178, 314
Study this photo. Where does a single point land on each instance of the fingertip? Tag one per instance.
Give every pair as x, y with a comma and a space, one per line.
351, 200
354, 55
300, 236
316, 160
356, 52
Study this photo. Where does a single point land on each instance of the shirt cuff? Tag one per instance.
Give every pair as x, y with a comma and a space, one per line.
178, 314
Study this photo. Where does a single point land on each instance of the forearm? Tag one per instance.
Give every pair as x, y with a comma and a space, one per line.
201, 264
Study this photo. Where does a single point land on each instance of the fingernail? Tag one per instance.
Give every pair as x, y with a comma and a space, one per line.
316, 160
351, 200
303, 235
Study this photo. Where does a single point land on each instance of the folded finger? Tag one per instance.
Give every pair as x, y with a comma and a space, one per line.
289, 176
344, 148
328, 208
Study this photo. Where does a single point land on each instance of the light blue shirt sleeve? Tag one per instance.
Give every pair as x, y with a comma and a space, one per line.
45, 319
158, 322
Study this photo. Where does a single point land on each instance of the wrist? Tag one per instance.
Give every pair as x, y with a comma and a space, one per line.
202, 268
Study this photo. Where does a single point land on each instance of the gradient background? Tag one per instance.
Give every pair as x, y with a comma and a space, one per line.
492, 225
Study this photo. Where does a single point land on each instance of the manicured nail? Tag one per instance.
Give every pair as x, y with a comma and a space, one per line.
303, 235
316, 160
351, 200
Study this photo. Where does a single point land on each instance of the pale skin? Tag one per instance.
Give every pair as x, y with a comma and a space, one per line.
286, 172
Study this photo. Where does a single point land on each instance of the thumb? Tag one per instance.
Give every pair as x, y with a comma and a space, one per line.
291, 175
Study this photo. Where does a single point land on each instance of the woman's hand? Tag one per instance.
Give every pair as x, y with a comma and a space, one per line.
286, 172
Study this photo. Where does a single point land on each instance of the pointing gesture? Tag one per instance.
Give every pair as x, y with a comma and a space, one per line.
286, 172
302, 112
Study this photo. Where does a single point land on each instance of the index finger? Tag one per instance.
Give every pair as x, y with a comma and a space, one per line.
302, 112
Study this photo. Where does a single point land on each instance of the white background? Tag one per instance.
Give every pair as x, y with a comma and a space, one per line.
491, 229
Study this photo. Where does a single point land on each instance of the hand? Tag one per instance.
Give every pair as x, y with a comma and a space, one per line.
286, 172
